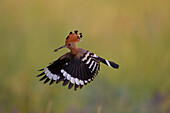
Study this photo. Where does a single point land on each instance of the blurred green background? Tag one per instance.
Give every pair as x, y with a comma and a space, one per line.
135, 34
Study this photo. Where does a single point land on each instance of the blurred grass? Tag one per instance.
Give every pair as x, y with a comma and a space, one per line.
134, 34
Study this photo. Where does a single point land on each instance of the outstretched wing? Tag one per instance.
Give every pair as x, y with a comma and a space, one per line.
81, 71
53, 71
75, 72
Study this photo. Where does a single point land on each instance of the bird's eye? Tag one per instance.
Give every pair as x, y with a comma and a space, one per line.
78, 37
69, 44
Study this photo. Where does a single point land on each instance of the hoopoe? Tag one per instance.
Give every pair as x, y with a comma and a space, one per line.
77, 67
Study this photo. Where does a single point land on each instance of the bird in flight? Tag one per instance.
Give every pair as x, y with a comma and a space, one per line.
75, 68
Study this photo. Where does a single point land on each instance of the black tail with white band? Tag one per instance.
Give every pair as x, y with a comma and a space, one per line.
109, 63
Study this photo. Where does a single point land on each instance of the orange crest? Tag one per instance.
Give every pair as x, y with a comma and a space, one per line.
73, 37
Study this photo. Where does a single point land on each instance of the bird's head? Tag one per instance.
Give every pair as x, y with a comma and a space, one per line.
71, 40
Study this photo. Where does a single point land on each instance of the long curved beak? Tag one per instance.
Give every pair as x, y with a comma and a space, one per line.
59, 48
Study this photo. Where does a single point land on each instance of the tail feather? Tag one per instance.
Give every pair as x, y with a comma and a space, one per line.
109, 63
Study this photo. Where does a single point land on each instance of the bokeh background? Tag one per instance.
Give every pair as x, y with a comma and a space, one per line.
135, 34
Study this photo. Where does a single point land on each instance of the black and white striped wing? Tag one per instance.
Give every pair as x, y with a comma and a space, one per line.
53, 72
78, 73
